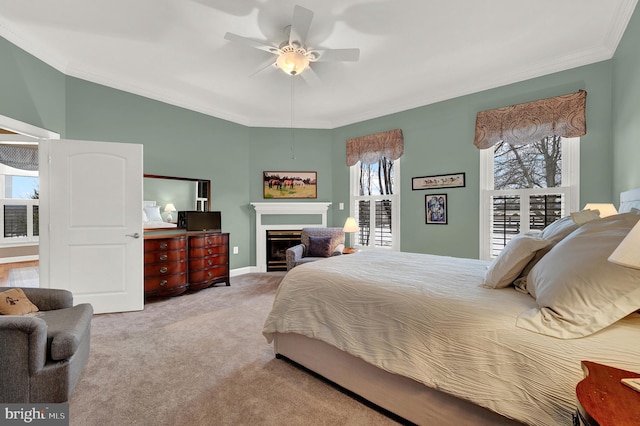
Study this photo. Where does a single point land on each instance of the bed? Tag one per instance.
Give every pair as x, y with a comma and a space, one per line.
152, 218
440, 340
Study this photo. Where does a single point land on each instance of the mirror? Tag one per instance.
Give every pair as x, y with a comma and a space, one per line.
184, 193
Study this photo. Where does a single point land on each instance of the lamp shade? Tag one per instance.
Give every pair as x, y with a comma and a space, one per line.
628, 252
170, 208
350, 225
606, 209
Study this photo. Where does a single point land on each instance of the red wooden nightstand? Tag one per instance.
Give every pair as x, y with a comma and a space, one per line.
603, 400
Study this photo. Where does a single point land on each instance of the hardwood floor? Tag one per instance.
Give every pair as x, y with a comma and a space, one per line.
6, 267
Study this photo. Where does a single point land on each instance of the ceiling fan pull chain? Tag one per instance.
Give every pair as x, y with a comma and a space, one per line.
293, 138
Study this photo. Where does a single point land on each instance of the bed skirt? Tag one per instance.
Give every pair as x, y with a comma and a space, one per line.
401, 396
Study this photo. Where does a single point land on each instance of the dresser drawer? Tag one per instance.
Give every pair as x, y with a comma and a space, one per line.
165, 283
207, 251
215, 272
165, 244
207, 262
208, 240
165, 256
168, 268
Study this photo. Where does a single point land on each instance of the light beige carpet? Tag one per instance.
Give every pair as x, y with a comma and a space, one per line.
201, 359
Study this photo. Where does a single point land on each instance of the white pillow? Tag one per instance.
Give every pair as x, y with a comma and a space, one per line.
153, 214
577, 289
584, 216
559, 229
513, 258
145, 218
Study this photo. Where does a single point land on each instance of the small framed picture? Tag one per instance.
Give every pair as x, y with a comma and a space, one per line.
455, 180
436, 209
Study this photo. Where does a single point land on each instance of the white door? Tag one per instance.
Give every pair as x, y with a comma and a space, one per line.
91, 239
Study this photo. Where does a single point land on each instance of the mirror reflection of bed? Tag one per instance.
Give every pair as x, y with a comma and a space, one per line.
179, 193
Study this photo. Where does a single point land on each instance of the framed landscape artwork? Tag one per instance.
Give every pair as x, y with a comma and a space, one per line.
436, 209
438, 181
290, 184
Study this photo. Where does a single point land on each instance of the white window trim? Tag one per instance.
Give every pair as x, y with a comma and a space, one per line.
395, 204
570, 187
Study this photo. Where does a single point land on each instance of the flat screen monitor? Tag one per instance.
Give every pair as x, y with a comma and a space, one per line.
199, 221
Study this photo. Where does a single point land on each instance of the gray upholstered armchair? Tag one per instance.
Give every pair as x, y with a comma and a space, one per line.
42, 354
315, 244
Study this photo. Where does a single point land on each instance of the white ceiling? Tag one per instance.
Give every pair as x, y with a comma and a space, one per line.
412, 52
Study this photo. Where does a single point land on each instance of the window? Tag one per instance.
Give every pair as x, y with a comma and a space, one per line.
19, 207
375, 204
525, 187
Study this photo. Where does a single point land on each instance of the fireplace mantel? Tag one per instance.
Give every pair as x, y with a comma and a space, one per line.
283, 208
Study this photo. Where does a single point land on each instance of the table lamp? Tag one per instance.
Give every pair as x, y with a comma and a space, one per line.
350, 226
628, 251
606, 209
169, 208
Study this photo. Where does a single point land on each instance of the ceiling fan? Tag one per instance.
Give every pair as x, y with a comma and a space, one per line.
293, 56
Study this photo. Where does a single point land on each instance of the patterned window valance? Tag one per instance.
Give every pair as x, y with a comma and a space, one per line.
532, 121
371, 148
24, 157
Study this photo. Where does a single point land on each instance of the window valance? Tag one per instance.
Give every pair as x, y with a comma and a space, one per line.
371, 148
19, 156
532, 121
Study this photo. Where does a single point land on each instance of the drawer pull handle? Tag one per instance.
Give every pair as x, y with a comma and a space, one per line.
163, 283
209, 274
163, 257
209, 252
208, 241
163, 245
209, 263
163, 269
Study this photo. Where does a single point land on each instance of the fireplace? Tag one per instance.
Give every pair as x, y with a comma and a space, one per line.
278, 241
300, 214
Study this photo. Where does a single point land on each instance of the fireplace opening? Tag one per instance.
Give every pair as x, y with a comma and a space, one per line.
278, 241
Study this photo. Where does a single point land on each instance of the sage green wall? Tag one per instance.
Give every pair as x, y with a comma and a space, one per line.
626, 109
439, 140
271, 150
30, 90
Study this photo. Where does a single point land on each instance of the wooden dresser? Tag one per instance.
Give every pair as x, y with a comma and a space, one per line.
165, 266
208, 260
176, 261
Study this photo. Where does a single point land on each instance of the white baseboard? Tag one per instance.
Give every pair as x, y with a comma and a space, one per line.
241, 271
15, 259
245, 270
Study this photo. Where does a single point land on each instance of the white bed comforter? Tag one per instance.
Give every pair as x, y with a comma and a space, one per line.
426, 317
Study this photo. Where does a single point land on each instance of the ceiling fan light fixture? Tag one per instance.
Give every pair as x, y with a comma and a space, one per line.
292, 62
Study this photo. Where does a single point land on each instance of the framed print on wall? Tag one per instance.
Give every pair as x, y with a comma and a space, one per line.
455, 180
436, 209
290, 184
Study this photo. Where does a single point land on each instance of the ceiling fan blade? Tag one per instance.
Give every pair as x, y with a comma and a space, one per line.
300, 24
310, 77
251, 42
262, 68
337, 55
